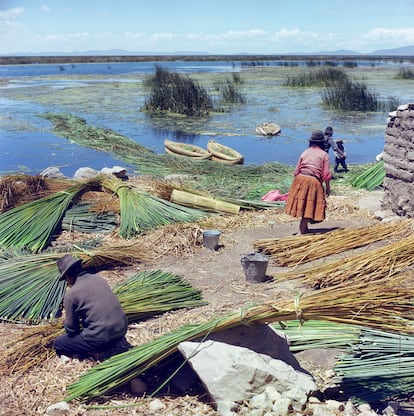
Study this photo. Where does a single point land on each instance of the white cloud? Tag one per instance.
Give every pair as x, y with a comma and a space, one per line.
45, 8
10, 14
8, 25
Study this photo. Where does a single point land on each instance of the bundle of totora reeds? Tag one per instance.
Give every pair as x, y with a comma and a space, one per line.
382, 305
367, 267
295, 250
143, 295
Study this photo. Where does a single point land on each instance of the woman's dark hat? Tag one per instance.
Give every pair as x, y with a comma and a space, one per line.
65, 263
317, 136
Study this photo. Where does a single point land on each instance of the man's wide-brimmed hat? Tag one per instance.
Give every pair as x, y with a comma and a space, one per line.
317, 136
65, 263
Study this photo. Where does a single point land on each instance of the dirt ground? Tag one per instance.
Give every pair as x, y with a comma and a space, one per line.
220, 276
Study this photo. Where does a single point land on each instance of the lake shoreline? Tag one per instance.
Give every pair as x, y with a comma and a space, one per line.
61, 59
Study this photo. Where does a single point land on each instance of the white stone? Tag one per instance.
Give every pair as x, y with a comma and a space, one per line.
260, 401
156, 405
85, 173
58, 409
272, 394
281, 407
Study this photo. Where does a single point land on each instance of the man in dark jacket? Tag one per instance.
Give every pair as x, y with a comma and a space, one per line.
95, 323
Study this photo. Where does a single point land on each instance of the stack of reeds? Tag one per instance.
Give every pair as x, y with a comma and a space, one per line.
370, 178
143, 295
142, 211
33, 224
367, 267
384, 305
295, 250
30, 289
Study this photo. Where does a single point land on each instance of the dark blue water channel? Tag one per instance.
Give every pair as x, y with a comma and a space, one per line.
111, 95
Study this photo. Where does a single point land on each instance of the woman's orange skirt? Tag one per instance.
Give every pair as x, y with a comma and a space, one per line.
306, 198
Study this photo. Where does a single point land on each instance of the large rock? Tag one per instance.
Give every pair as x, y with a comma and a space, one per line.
233, 375
244, 363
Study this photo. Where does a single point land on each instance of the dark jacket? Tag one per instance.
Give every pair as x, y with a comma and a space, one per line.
92, 309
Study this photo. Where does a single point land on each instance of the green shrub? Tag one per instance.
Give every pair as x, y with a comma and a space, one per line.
176, 93
319, 78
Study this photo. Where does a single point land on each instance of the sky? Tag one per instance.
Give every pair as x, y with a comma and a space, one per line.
205, 26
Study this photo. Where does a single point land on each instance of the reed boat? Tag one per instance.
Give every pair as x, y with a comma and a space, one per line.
268, 129
186, 149
224, 154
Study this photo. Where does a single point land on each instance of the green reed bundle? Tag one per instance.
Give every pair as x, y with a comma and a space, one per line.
147, 293
141, 211
32, 225
379, 367
143, 295
379, 306
29, 285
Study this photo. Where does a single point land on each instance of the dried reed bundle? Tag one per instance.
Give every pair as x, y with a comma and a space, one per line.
379, 306
32, 348
179, 240
367, 267
210, 204
141, 211
31, 225
295, 250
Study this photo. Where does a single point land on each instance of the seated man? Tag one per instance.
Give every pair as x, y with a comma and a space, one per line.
95, 322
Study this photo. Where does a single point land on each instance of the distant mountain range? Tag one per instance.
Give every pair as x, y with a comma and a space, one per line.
400, 51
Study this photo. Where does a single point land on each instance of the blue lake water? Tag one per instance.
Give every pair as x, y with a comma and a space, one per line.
111, 95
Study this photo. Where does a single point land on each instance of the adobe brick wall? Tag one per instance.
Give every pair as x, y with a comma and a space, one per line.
398, 159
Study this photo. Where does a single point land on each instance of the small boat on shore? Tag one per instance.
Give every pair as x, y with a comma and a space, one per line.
224, 154
186, 149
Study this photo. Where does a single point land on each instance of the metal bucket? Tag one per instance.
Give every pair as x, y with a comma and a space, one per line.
211, 239
254, 266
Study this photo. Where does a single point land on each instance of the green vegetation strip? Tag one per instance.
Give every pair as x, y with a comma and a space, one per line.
233, 181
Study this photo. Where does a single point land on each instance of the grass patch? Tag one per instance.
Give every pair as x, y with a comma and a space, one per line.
320, 78
405, 74
348, 95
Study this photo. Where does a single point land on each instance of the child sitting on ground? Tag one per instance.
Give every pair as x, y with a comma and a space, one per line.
340, 156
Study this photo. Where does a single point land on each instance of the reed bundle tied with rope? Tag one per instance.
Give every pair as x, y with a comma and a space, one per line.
295, 250
367, 267
379, 306
142, 211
